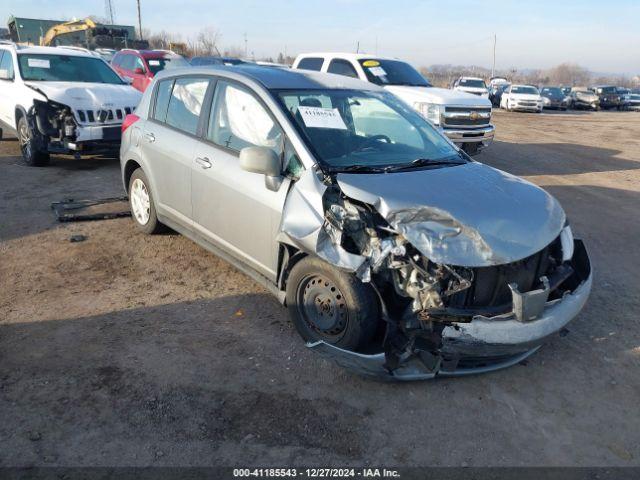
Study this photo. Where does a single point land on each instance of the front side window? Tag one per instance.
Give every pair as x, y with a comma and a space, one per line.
342, 67
351, 130
6, 65
66, 68
185, 104
392, 72
239, 120
311, 64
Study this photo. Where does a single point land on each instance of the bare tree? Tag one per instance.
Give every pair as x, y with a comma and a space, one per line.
234, 51
569, 74
207, 41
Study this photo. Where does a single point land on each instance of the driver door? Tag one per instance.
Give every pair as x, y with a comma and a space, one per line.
233, 208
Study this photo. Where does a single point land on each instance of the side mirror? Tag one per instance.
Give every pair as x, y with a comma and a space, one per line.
138, 71
260, 160
264, 161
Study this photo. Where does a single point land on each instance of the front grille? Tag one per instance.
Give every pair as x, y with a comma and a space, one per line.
103, 116
466, 116
490, 285
527, 104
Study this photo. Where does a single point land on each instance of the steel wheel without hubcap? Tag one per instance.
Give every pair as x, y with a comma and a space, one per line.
140, 202
323, 307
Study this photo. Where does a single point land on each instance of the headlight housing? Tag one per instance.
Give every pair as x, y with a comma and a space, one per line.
566, 240
430, 111
545, 100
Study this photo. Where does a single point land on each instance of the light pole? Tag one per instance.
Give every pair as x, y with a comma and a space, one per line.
139, 21
493, 69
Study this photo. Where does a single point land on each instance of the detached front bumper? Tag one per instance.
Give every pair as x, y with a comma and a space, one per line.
482, 135
481, 345
90, 139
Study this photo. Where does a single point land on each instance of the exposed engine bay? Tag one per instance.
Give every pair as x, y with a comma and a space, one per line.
425, 303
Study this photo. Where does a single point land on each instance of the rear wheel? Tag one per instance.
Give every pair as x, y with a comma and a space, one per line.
31, 152
143, 210
331, 305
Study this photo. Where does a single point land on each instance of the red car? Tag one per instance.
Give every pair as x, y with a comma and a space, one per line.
140, 66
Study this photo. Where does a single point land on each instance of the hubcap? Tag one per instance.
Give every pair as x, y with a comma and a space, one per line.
140, 203
323, 307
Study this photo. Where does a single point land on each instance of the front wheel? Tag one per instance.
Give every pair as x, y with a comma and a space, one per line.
143, 210
331, 305
31, 153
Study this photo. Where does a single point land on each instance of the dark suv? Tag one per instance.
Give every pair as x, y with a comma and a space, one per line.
609, 96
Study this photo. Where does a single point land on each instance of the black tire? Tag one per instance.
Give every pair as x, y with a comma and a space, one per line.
31, 153
152, 225
471, 148
331, 305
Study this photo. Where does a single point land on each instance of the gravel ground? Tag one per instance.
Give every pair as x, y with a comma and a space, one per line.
133, 350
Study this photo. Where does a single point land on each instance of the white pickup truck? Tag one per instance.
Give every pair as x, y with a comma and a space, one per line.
464, 118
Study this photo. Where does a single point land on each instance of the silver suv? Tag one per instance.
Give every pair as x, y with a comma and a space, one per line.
395, 253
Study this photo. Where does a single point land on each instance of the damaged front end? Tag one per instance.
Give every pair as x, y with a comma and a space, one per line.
453, 298
56, 129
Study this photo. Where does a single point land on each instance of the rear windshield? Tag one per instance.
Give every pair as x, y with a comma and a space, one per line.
552, 92
158, 64
65, 68
607, 90
393, 72
474, 83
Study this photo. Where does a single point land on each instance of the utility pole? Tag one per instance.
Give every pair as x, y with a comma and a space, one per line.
245, 46
493, 69
139, 22
108, 7
358, 47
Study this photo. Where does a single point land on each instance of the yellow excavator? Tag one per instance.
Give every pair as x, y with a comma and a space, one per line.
97, 36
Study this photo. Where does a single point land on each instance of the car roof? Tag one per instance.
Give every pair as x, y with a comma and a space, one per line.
472, 78
150, 53
71, 52
276, 78
346, 55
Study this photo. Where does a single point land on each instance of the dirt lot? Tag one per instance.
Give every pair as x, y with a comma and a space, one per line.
133, 350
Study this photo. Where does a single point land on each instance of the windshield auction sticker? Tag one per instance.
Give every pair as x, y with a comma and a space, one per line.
38, 63
316, 117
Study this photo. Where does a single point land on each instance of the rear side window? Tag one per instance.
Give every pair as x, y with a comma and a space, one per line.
239, 120
6, 64
127, 62
185, 103
342, 67
163, 95
117, 60
311, 63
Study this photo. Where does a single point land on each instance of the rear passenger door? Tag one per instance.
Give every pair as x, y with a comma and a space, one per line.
169, 140
233, 208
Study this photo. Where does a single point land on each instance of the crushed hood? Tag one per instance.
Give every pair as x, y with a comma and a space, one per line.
89, 96
469, 215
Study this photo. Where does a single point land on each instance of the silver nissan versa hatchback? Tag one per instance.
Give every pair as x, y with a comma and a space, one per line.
396, 255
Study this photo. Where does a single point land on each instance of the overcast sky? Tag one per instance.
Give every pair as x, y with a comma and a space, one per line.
603, 36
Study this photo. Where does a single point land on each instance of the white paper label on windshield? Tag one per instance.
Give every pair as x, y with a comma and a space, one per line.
378, 71
155, 63
38, 63
316, 117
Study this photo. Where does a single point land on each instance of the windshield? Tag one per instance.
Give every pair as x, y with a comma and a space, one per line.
472, 82
552, 92
352, 130
393, 72
66, 68
525, 90
158, 64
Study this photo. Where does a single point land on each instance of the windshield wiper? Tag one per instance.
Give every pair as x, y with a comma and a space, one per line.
420, 162
357, 168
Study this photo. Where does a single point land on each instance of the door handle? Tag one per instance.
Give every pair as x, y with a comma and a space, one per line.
150, 137
203, 162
